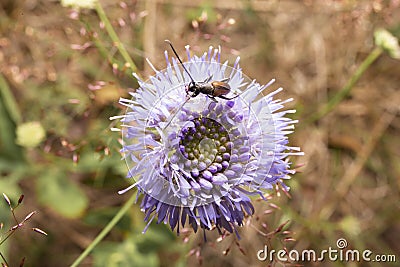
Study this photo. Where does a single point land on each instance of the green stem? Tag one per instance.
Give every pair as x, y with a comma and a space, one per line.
334, 101
114, 37
103, 51
106, 230
8, 235
4, 259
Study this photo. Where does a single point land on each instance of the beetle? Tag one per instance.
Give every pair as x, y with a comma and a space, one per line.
212, 89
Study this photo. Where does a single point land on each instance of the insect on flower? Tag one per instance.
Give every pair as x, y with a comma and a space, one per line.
212, 89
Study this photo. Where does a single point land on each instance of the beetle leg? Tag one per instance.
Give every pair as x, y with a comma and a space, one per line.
208, 79
228, 98
213, 99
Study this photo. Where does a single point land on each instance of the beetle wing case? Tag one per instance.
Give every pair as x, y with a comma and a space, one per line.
220, 88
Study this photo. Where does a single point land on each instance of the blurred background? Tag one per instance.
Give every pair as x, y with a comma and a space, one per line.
61, 78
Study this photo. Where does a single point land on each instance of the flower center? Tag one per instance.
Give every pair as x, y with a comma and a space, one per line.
205, 148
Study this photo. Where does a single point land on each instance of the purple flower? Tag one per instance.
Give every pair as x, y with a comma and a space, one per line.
197, 160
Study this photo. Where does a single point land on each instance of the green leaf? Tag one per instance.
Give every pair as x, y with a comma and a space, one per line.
9, 186
11, 173
111, 254
56, 191
9, 101
9, 117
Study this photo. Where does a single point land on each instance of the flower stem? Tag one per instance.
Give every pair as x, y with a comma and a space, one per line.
335, 100
10, 233
105, 231
114, 37
4, 259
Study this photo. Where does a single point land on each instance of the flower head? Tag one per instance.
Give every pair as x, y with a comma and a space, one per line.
198, 159
79, 3
388, 42
30, 134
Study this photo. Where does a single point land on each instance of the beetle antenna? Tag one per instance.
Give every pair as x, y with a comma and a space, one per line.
176, 54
